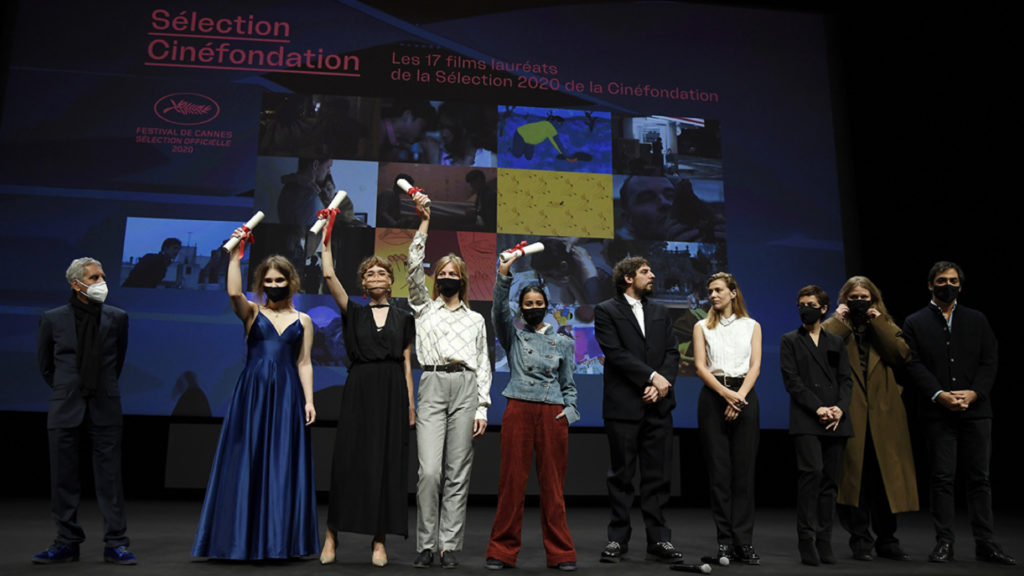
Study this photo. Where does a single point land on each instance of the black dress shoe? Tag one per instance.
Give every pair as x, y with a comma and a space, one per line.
943, 552
747, 555
448, 559
613, 552
893, 553
664, 552
825, 553
808, 552
863, 555
725, 555
991, 552
424, 559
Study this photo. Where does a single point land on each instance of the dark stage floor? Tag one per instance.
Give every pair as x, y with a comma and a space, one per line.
162, 534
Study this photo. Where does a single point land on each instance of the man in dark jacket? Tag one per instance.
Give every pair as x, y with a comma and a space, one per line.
641, 360
954, 368
81, 352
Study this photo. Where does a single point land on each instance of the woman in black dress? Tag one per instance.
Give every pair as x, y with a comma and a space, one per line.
369, 490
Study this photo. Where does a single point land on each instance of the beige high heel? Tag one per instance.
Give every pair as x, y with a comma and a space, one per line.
326, 558
380, 554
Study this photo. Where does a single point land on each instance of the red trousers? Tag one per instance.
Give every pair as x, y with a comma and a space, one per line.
529, 428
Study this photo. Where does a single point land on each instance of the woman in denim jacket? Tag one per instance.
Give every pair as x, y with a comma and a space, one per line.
541, 405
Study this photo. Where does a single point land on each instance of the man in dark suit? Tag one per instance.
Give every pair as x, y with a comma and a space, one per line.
816, 373
641, 360
81, 352
954, 368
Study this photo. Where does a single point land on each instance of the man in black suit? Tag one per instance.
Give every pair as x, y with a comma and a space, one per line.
81, 352
954, 368
816, 373
641, 360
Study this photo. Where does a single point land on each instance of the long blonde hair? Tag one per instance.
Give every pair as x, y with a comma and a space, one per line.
738, 307
863, 282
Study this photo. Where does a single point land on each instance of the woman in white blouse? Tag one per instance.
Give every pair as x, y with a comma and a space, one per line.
727, 354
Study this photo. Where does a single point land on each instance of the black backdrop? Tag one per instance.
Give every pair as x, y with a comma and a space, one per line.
924, 144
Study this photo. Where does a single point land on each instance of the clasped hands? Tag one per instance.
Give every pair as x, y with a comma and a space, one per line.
957, 400
736, 403
657, 389
829, 416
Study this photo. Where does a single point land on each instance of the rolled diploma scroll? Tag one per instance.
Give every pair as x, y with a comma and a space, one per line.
525, 250
338, 199
252, 223
406, 187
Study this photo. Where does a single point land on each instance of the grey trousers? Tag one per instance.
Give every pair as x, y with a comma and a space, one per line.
444, 439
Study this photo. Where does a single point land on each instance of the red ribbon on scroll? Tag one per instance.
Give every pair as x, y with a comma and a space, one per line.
519, 246
329, 214
413, 190
247, 238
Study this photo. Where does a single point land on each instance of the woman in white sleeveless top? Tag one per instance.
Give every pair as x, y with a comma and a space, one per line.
727, 353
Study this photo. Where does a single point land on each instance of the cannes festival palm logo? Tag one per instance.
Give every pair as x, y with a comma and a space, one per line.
186, 108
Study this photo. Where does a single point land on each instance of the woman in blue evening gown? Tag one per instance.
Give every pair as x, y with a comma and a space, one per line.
261, 499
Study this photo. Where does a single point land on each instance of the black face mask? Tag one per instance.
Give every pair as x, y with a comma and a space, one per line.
858, 308
448, 287
945, 293
809, 315
534, 316
276, 293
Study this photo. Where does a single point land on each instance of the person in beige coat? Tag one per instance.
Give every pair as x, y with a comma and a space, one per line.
878, 479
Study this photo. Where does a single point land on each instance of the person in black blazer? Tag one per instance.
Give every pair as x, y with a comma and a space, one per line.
640, 365
816, 373
81, 351
954, 368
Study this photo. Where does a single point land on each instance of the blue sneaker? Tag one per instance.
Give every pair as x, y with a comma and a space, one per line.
119, 555
56, 553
